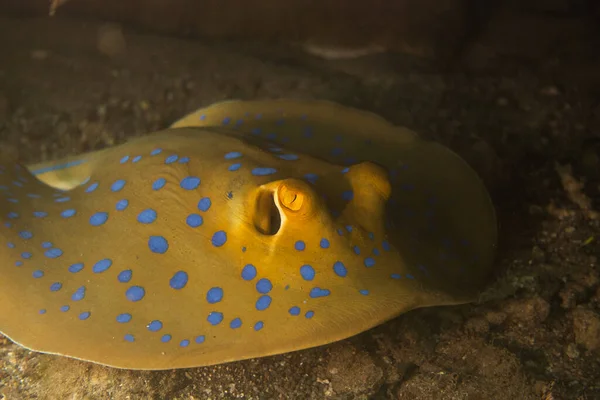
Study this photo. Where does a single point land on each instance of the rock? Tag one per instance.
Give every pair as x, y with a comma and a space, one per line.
364, 376
586, 327
530, 311
111, 41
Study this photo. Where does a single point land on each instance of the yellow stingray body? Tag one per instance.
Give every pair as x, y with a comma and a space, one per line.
247, 229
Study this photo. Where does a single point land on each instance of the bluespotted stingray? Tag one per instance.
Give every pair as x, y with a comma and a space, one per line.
246, 229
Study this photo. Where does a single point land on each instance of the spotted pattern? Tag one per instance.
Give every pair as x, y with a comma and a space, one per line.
349, 249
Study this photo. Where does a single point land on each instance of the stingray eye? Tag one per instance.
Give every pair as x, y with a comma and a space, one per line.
291, 198
295, 198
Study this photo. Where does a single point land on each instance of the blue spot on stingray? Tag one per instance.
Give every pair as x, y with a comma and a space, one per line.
364, 292
204, 204
13, 200
55, 287
84, 315
340, 269
123, 318
289, 157
135, 293
38, 274
65, 308
226, 120
386, 245
235, 323
318, 292
13, 215
155, 152
98, 218
349, 228
248, 272
154, 326
79, 294
232, 155
159, 183
122, 204
190, 182
345, 170
348, 195
369, 262
117, 185
194, 220
92, 187
234, 167
294, 310
62, 199
256, 131
215, 318
34, 196
166, 338
307, 272
158, 244
125, 276
68, 213
309, 314
409, 276
200, 339
356, 250
43, 311
40, 214
129, 337
184, 343
261, 171
219, 238
179, 280
395, 276
136, 159
263, 302
46, 245
371, 235
184, 160
74, 268
264, 286
259, 325
272, 136
102, 265
171, 159
25, 235
324, 243
53, 253
18, 263
124, 160
300, 245
11, 245
147, 216
339, 232
26, 255
202, 117
214, 295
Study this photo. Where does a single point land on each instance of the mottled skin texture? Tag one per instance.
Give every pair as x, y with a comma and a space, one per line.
354, 222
